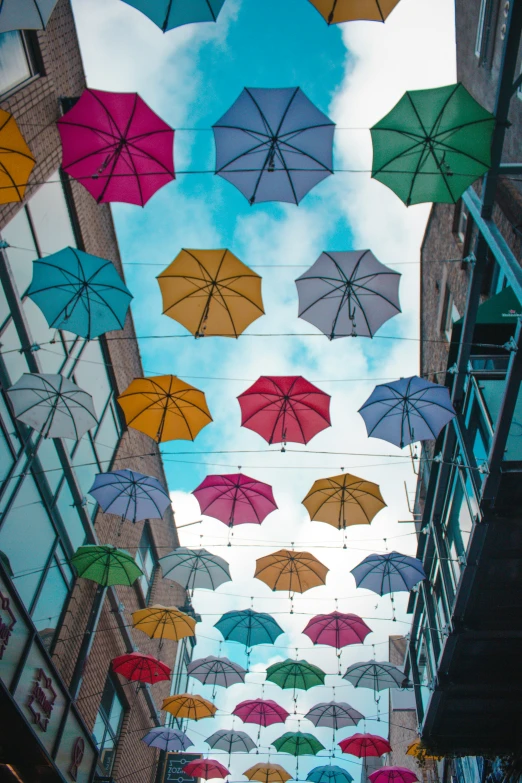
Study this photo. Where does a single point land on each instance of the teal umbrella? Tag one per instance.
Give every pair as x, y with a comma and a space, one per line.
106, 565
168, 14
329, 774
248, 627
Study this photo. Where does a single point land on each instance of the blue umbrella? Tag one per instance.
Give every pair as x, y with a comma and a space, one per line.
389, 573
130, 495
274, 145
407, 410
248, 627
329, 774
78, 292
167, 739
167, 14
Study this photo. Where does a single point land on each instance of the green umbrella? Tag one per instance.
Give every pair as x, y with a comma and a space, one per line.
298, 744
432, 145
295, 674
106, 565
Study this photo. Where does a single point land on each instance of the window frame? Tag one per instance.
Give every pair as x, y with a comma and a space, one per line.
115, 737
34, 60
146, 533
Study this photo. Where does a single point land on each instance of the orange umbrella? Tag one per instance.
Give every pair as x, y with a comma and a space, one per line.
267, 773
16, 160
164, 622
185, 705
344, 500
336, 11
292, 571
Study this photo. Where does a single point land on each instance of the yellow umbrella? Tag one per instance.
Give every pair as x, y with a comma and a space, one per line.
164, 622
418, 750
292, 571
336, 11
165, 408
211, 292
267, 773
16, 160
344, 500
185, 705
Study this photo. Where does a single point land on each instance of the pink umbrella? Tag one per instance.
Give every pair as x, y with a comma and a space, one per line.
337, 629
205, 768
235, 499
117, 147
264, 712
365, 745
285, 408
393, 775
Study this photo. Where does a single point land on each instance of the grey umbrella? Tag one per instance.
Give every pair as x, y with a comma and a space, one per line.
216, 671
376, 675
388, 573
334, 715
193, 568
231, 741
348, 294
25, 14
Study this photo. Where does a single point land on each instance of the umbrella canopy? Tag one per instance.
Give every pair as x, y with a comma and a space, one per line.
168, 14
285, 408
211, 292
337, 629
298, 744
262, 712
165, 408
139, 667
78, 292
216, 671
105, 565
235, 499
334, 715
117, 147
388, 573
329, 774
193, 568
268, 773
170, 740
365, 745
206, 769
186, 705
16, 159
407, 410
53, 405
248, 627
336, 11
344, 500
130, 495
348, 294
231, 741
433, 145
418, 750
274, 145
377, 675
295, 674
296, 572
393, 775
25, 14
164, 622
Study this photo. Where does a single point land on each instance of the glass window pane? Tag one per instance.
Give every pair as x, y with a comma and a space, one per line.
116, 715
21, 255
14, 68
70, 517
15, 362
50, 217
90, 374
51, 357
6, 457
50, 464
106, 439
7, 419
85, 465
50, 604
64, 565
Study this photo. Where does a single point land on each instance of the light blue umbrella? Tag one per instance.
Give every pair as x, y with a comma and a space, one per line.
167, 14
78, 292
248, 627
167, 739
388, 573
329, 774
130, 495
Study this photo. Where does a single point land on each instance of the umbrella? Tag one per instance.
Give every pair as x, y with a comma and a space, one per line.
211, 292
235, 499
231, 741
216, 671
170, 740
388, 573
298, 744
329, 774
52, 405
263, 712
407, 410
393, 775
25, 14
337, 629
348, 294
433, 145
344, 500
168, 14
130, 495
296, 572
78, 292
377, 675
193, 568
16, 159
248, 627
274, 145
117, 147
139, 667
186, 705
418, 750
336, 11
105, 565
295, 674
164, 622
365, 745
267, 773
165, 408
206, 769
334, 715
285, 408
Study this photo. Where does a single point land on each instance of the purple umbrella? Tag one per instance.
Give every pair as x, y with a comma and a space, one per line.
274, 145
235, 499
130, 495
388, 573
171, 740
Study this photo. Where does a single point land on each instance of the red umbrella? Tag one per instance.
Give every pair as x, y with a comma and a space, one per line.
235, 499
205, 768
117, 147
263, 712
285, 408
364, 745
337, 629
141, 668
393, 775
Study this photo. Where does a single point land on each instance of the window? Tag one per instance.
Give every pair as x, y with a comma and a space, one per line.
108, 722
449, 315
462, 223
483, 30
16, 62
147, 561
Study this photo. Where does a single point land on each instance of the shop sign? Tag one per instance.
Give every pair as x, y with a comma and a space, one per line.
77, 754
42, 697
7, 623
173, 770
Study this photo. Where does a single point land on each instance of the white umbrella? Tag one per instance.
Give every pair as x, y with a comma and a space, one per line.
25, 14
